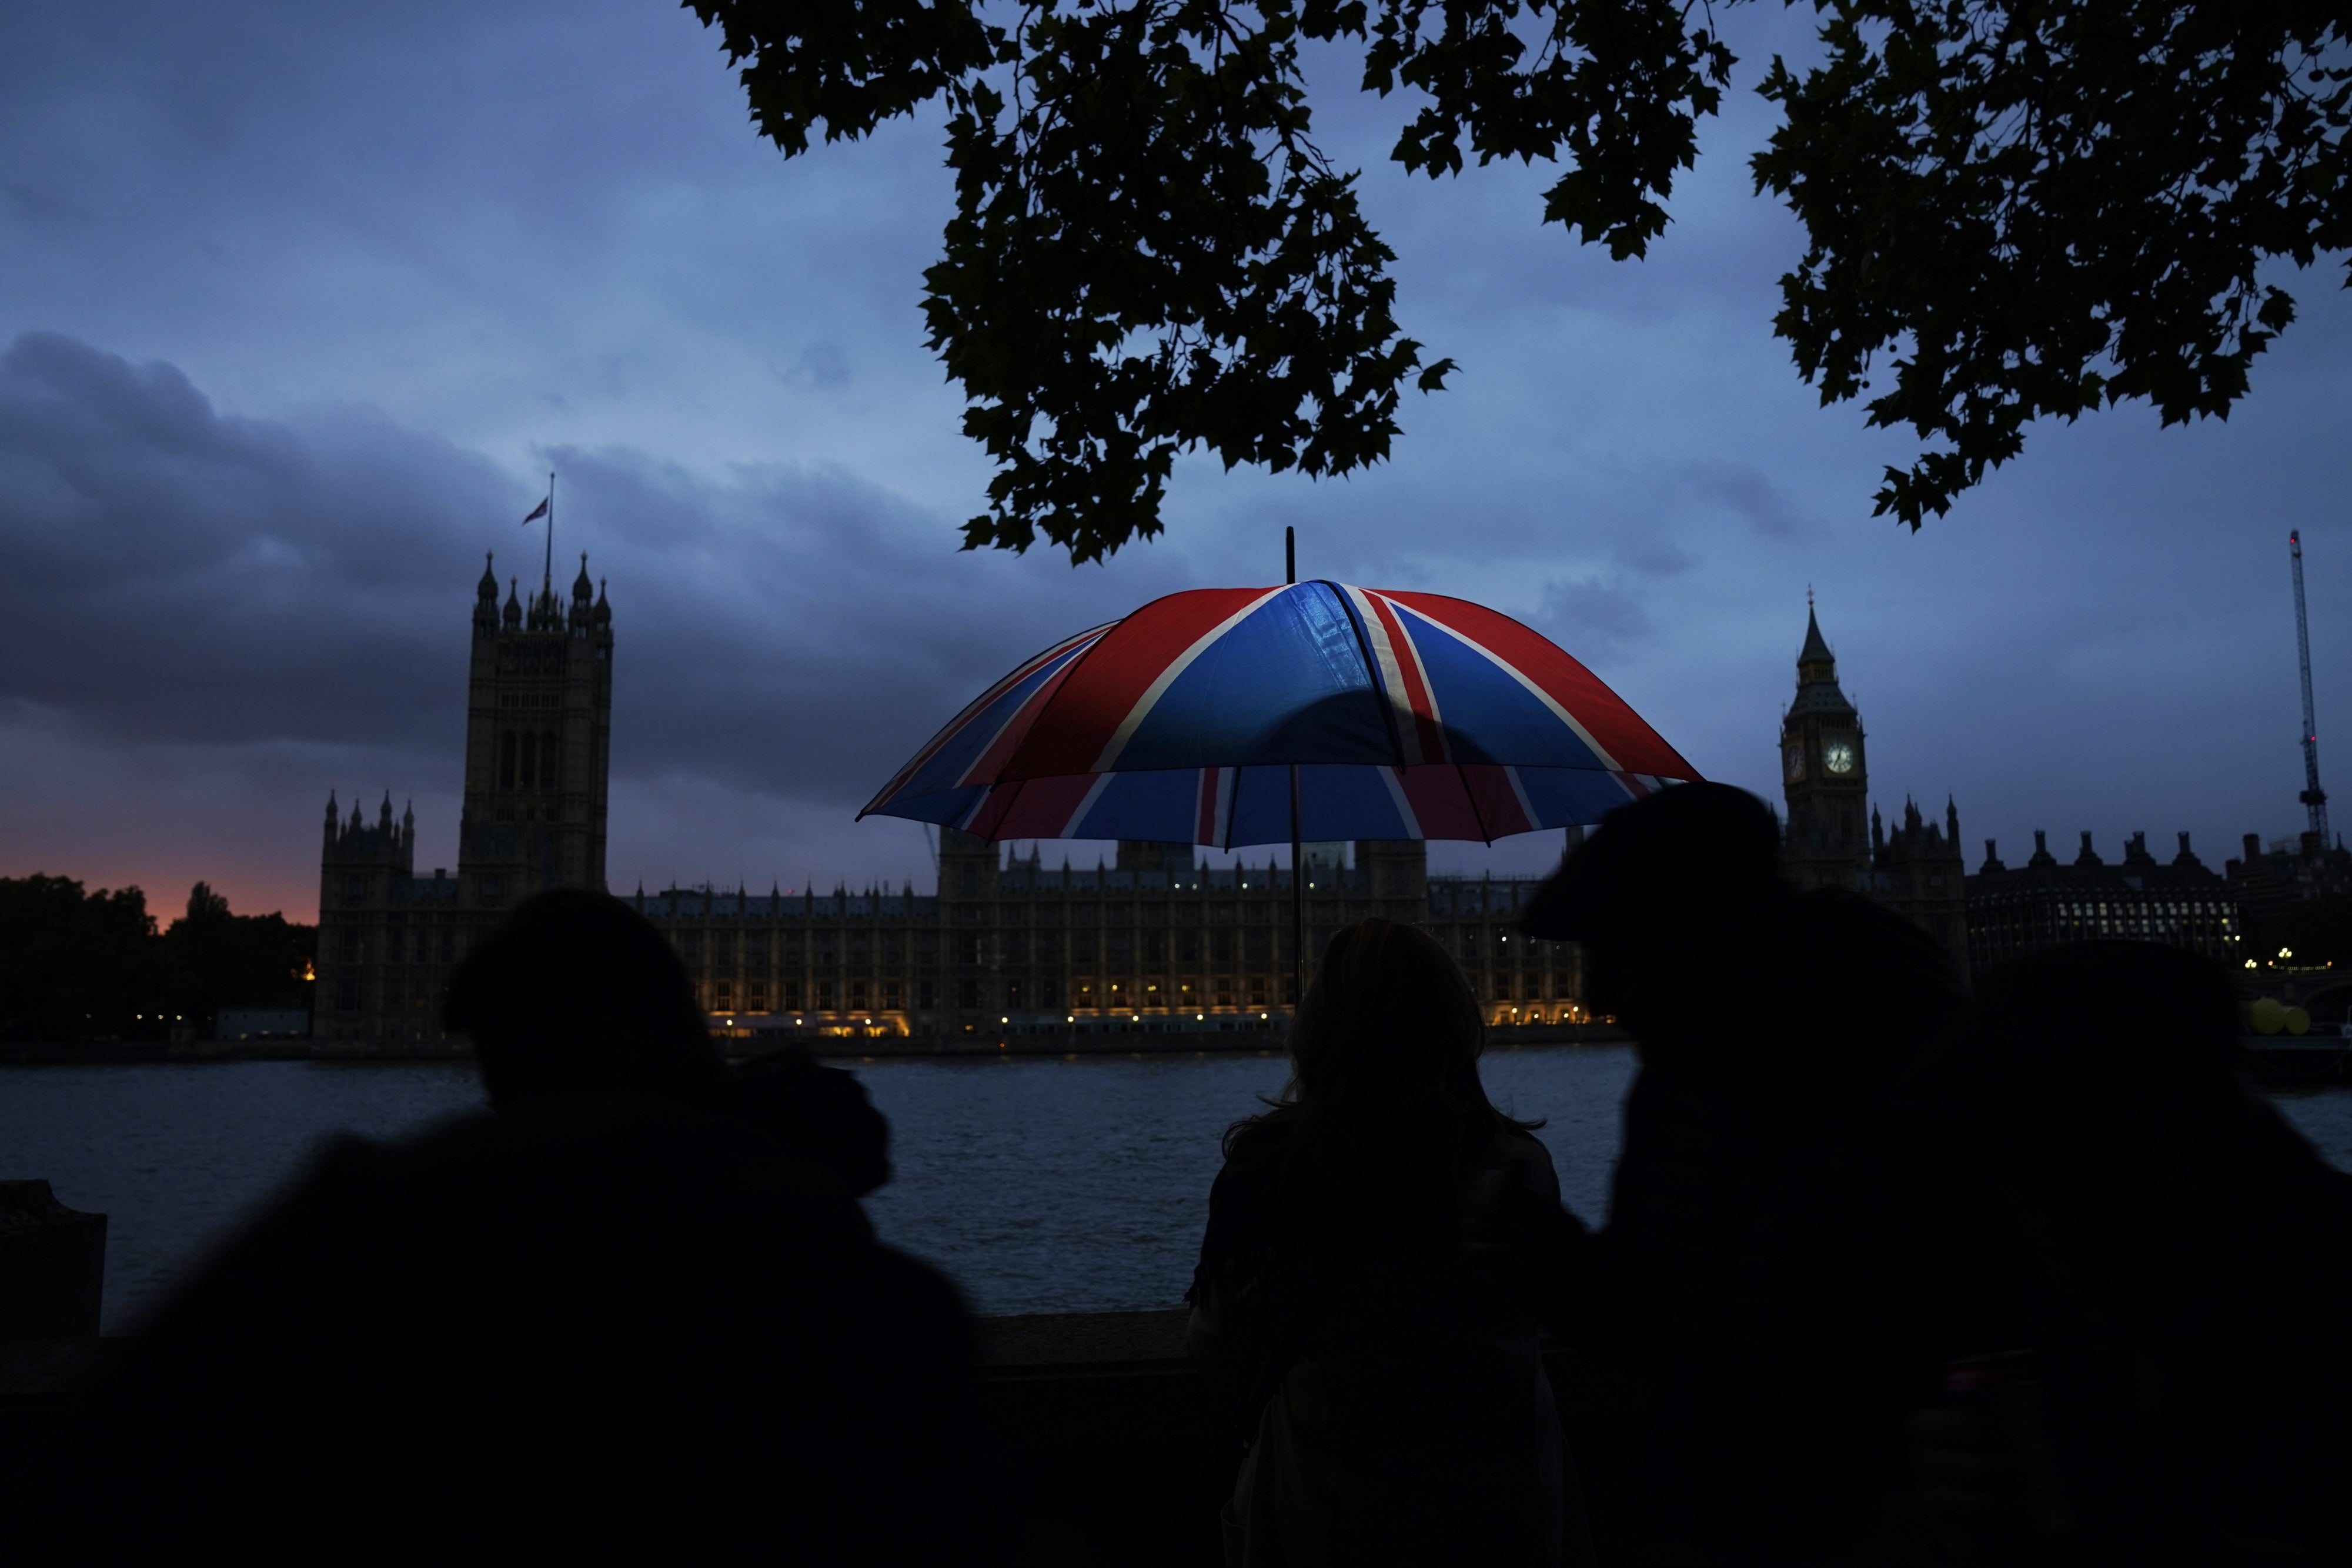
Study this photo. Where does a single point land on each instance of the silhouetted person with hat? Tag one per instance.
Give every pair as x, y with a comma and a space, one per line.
1769, 1022
616, 1318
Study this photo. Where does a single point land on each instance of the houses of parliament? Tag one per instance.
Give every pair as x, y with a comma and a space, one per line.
1153, 940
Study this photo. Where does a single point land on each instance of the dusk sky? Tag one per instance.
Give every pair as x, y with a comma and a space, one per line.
299, 306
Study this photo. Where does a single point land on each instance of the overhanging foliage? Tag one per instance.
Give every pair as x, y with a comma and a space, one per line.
2018, 210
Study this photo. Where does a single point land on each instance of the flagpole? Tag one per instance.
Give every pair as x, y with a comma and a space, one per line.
1297, 859
546, 581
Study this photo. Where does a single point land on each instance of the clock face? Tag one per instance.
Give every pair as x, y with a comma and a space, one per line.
1837, 756
1793, 761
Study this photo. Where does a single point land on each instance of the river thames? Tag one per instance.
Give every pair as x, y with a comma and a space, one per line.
1038, 1184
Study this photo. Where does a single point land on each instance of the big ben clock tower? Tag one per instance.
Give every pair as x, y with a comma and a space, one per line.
1822, 773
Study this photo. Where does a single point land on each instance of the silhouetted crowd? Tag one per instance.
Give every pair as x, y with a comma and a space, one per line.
1890, 1275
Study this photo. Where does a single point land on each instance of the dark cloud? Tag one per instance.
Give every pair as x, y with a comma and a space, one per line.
178, 575
1591, 616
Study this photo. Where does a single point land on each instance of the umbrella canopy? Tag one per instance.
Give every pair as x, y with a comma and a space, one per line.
1406, 715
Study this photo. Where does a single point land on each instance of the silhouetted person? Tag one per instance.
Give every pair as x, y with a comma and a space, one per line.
2173, 1267
822, 1108
1393, 1395
576, 993
1769, 1022
614, 1319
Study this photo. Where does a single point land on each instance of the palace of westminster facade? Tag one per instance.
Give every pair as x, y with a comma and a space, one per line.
1153, 941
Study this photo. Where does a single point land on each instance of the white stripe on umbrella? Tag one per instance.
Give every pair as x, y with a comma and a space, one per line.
1167, 677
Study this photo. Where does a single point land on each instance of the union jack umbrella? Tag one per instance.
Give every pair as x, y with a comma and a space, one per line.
1399, 715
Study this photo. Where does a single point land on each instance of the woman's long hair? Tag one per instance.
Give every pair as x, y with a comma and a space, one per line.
1384, 1114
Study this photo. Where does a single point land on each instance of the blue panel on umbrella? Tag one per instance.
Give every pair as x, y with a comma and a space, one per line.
973, 738
1261, 807
1572, 797
1489, 717
1161, 806
1287, 684
1348, 803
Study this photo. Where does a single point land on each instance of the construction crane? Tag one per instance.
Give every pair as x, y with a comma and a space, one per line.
2314, 798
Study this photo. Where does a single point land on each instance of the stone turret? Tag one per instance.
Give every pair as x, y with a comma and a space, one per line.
485, 600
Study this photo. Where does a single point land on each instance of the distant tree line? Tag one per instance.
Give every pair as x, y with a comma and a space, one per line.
78, 964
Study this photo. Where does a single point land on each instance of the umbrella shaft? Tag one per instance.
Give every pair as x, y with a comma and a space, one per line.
1297, 903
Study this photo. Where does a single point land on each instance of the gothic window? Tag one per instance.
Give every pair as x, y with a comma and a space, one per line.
857, 995
1187, 946
726, 996
1259, 943
1122, 947
1155, 947
890, 994
926, 994
1081, 947
1013, 994
507, 761
824, 995
893, 948
1258, 990
759, 1002
1224, 990
1221, 945
968, 991
968, 948
1046, 993
792, 996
